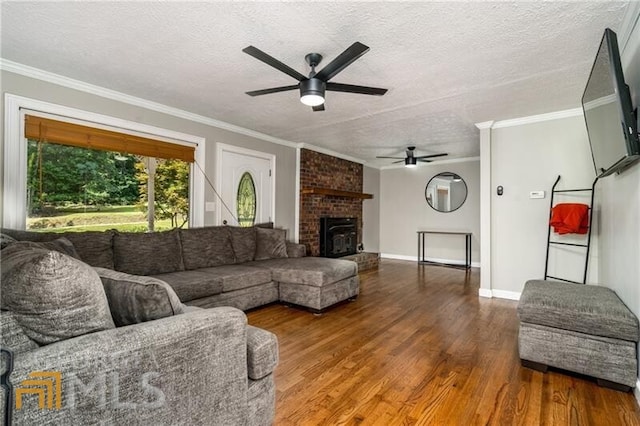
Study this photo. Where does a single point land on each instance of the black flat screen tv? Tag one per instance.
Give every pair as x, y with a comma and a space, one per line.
608, 112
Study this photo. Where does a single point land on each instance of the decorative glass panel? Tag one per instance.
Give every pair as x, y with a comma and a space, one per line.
246, 201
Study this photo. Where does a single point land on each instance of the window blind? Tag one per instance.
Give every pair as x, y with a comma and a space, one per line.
54, 131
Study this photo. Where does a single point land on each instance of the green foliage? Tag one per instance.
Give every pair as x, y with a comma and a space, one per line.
63, 178
171, 190
59, 175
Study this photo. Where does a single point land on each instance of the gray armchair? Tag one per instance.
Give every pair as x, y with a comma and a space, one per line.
203, 367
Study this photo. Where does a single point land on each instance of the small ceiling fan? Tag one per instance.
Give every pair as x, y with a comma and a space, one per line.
411, 160
312, 88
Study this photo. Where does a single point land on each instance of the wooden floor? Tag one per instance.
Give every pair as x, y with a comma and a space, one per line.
419, 346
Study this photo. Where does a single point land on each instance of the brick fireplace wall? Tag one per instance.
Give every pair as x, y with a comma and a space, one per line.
324, 171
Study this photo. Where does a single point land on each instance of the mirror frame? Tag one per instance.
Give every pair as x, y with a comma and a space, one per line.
466, 192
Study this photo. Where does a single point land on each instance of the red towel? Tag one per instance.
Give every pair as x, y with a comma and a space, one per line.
570, 218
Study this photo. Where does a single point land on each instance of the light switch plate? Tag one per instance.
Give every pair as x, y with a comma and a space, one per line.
536, 194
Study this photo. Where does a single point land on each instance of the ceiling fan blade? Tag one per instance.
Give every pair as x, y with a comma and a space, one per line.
270, 60
350, 88
399, 161
272, 90
395, 158
422, 160
431, 156
343, 60
318, 107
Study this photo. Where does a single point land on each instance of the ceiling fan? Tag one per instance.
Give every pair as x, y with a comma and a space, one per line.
312, 88
411, 160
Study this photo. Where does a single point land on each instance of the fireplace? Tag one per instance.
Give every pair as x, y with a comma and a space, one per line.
338, 236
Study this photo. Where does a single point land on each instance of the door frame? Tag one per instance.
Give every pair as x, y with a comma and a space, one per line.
222, 147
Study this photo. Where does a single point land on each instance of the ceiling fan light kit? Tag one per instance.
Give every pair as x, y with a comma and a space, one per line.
312, 92
312, 88
411, 162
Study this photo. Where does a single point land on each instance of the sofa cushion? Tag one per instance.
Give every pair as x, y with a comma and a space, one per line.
5, 240
149, 253
236, 277
243, 241
206, 247
51, 295
61, 245
296, 250
190, 285
12, 335
315, 271
262, 352
94, 248
270, 244
134, 298
588, 309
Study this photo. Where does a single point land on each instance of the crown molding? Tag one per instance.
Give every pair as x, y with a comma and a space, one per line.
629, 22
575, 112
27, 71
331, 153
485, 125
433, 163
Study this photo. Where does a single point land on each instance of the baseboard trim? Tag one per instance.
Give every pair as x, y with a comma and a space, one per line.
636, 391
485, 292
398, 257
430, 259
504, 294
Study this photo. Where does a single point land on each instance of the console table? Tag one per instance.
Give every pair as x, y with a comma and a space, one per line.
422, 248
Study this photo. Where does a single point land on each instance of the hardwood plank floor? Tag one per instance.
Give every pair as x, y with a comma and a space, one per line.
419, 347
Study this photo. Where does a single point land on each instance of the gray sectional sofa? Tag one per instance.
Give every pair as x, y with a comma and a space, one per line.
105, 310
219, 266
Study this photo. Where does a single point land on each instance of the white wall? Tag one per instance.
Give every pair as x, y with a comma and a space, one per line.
525, 158
285, 156
404, 210
371, 210
619, 203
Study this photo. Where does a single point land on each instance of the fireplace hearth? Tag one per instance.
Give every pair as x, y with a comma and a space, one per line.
338, 236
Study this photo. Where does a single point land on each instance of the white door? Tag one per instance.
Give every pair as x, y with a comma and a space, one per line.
247, 186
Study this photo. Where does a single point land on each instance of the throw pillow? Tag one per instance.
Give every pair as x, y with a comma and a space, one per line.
52, 296
94, 247
206, 247
243, 241
5, 240
149, 253
270, 243
61, 245
134, 299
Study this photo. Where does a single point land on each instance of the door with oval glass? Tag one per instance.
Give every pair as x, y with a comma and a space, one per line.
246, 180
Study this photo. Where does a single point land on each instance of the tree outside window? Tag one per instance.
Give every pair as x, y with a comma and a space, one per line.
77, 189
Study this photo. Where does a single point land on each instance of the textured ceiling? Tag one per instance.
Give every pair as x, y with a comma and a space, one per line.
447, 65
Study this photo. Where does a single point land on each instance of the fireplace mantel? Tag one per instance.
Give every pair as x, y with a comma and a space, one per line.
337, 193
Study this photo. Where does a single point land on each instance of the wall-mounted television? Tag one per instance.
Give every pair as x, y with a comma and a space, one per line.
608, 111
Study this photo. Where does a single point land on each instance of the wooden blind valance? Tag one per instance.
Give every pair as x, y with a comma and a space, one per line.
45, 129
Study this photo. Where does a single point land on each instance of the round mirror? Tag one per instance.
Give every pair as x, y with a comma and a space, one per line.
446, 192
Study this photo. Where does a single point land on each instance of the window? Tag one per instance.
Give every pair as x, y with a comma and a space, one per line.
79, 189
246, 201
14, 191
73, 187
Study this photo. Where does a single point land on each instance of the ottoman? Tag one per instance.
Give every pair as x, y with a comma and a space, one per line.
586, 329
313, 282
